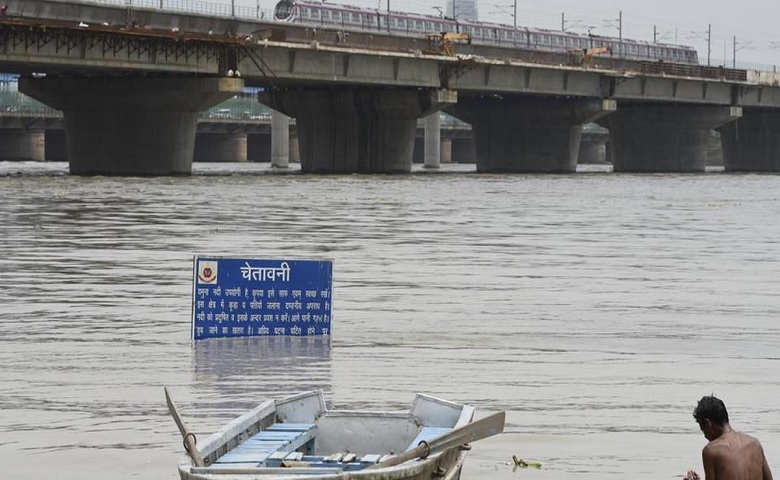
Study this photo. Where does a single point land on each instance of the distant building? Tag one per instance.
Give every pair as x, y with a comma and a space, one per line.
464, 9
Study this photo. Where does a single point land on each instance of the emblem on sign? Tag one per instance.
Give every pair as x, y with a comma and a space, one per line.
207, 273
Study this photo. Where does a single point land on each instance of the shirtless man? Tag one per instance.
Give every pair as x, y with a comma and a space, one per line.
729, 455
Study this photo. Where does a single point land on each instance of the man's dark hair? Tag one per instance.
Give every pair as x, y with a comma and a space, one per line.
713, 408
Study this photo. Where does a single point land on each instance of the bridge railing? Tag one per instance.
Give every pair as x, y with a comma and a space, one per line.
762, 67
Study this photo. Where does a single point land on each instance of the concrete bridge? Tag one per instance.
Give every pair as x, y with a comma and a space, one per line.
131, 81
237, 130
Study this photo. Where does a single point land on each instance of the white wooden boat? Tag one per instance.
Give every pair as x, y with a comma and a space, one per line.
298, 438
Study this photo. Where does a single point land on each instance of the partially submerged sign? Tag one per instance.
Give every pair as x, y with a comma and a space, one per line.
239, 297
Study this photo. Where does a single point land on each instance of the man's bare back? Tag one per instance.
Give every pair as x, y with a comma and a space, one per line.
735, 456
729, 455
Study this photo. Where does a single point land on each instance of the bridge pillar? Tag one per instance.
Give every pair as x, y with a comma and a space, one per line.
356, 131
525, 134
220, 147
752, 143
592, 151
295, 153
647, 138
280, 140
130, 125
446, 150
18, 144
433, 141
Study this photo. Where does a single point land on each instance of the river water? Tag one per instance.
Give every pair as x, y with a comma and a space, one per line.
595, 308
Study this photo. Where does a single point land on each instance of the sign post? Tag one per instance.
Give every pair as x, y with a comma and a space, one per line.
238, 297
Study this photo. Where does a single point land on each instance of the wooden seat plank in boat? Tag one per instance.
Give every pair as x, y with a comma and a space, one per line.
279, 437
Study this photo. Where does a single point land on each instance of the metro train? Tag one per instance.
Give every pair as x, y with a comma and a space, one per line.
351, 17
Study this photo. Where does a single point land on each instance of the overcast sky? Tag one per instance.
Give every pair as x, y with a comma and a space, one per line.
756, 23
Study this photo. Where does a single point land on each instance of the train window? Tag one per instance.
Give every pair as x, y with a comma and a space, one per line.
315, 13
428, 26
401, 23
326, 15
418, 24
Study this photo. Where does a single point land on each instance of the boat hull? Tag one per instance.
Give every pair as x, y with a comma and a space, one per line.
297, 438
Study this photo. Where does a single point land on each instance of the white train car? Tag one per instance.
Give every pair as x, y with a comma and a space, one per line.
402, 23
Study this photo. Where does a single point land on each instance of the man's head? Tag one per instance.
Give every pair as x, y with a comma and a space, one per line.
711, 415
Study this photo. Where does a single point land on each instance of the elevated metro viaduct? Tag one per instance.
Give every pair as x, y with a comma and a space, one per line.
130, 91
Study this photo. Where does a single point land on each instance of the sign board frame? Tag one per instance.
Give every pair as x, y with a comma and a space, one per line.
247, 297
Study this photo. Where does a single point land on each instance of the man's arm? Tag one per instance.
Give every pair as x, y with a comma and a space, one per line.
708, 459
767, 474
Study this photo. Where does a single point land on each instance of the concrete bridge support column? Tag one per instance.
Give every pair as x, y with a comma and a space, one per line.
446, 150
433, 141
280, 140
130, 125
593, 149
356, 130
663, 138
528, 134
18, 144
220, 147
295, 151
752, 143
